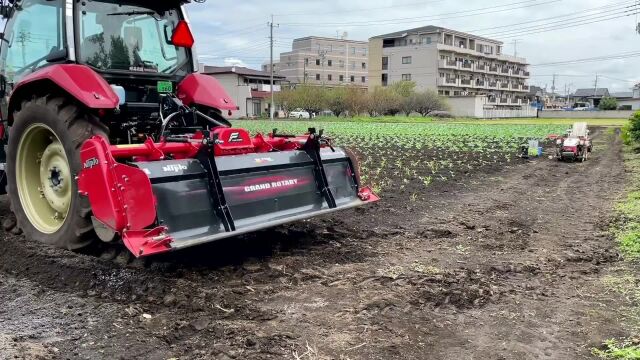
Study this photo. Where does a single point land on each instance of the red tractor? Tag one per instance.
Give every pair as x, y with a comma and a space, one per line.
109, 132
576, 145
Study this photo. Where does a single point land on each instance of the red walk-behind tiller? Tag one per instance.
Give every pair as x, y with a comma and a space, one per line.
99, 142
575, 145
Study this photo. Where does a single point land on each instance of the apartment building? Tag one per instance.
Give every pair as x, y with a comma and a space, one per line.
325, 61
451, 62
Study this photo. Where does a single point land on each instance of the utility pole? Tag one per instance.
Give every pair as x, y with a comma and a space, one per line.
595, 90
515, 47
323, 56
304, 73
273, 100
553, 88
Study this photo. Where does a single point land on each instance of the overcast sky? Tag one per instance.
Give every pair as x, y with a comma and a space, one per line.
236, 31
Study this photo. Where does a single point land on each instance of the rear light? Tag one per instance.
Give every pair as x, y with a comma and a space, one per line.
182, 36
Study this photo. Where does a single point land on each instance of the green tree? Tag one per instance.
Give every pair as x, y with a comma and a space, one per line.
608, 103
336, 101
384, 101
286, 100
404, 88
356, 100
429, 101
310, 98
119, 54
632, 130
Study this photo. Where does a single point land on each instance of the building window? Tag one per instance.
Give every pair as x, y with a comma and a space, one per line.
406, 60
329, 77
353, 78
364, 79
329, 62
364, 65
318, 77
406, 77
341, 78
353, 65
385, 63
341, 63
306, 61
353, 50
364, 51
385, 79
317, 62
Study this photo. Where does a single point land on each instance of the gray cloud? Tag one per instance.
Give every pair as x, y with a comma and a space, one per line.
238, 30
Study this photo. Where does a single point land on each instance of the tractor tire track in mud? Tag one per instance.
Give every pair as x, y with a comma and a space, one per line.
507, 266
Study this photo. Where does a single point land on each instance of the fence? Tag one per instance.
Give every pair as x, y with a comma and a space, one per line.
609, 114
525, 112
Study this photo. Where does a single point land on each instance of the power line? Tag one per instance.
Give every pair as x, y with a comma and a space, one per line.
307, 13
563, 24
442, 16
592, 59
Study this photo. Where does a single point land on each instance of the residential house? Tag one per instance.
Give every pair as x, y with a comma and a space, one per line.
250, 89
591, 96
628, 100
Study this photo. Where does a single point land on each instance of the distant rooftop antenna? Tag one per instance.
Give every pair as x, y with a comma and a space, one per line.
345, 35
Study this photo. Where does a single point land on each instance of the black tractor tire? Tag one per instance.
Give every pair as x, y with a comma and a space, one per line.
72, 125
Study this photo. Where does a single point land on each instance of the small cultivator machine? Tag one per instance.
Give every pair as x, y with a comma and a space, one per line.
110, 133
575, 145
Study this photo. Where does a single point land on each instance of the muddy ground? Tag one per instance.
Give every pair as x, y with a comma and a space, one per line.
504, 264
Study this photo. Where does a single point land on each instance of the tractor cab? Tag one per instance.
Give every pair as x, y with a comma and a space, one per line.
142, 49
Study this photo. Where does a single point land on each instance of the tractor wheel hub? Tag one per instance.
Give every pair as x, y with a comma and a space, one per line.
43, 178
54, 171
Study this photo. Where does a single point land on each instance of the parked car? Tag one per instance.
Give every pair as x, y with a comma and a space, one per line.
299, 114
583, 106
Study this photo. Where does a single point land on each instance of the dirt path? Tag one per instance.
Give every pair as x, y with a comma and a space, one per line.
506, 268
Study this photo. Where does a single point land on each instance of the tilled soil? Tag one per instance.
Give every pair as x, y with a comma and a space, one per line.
503, 265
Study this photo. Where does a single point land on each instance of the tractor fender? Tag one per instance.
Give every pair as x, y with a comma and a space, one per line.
200, 89
79, 81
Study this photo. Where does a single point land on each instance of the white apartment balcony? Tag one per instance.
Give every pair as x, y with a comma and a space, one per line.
491, 101
466, 66
473, 52
525, 88
520, 73
480, 84
449, 64
493, 85
448, 82
481, 68
493, 69
504, 86
515, 87
503, 101
513, 101
466, 82
505, 71
265, 87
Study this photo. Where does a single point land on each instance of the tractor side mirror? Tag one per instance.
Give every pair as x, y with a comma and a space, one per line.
3, 86
56, 55
5, 11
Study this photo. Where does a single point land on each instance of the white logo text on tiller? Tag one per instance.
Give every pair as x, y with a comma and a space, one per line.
174, 168
271, 185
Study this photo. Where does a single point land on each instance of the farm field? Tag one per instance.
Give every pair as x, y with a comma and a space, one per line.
511, 121
471, 253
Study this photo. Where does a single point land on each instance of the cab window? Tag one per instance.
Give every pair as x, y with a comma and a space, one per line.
34, 31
